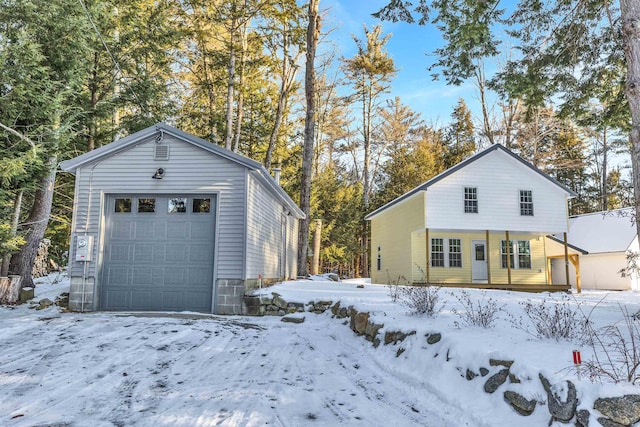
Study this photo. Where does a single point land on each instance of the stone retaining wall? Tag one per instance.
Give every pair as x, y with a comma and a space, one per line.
615, 411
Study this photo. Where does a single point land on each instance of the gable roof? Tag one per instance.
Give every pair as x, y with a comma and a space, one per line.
162, 128
600, 232
495, 147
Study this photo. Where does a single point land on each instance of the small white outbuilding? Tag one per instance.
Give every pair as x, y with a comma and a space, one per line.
601, 240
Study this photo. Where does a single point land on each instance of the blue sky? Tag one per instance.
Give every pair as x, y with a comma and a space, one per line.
410, 47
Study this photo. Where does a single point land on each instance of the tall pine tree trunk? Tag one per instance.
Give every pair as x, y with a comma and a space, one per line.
17, 207
231, 72
630, 14
36, 225
313, 31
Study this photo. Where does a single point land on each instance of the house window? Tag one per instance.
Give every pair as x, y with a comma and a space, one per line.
455, 253
526, 203
470, 200
522, 248
177, 205
437, 252
451, 257
123, 206
146, 205
379, 260
201, 205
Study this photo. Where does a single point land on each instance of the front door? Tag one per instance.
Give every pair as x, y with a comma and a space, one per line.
479, 261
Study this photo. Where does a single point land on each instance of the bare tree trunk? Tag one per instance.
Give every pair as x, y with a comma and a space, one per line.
240, 103
604, 196
36, 225
313, 31
231, 73
630, 14
17, 207
481, 82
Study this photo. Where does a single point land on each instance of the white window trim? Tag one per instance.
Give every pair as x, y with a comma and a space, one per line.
445, 251
514, 253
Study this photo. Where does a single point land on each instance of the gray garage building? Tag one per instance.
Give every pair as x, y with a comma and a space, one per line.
166, 221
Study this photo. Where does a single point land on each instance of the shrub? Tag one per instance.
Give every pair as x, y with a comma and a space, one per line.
393, 287
616, 350
555, 319
421, 299
483, 312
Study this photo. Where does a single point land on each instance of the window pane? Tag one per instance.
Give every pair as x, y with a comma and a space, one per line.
437, 252
123, 205
455, 253
470, 200
503, 254
146, 205
201, 205
526, 203
479, 252
524, 254
177, 205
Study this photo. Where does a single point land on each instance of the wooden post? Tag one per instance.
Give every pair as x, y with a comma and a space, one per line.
426, 238
566, 259
575, 260
488, 259
549, 277
508, 247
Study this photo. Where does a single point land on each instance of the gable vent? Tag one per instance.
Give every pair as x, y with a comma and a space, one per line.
161, 152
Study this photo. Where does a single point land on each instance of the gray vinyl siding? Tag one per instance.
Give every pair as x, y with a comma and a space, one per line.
264, 232
188, 170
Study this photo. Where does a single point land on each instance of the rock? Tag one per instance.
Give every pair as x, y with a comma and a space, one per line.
400, 351
360, 286
484, 372
292, 319
26, 294
498, 362
470, 375
561, 410
335, 308
279, 302
44, 303
252, 304
342, 313
371, 330
622, 410
281, 313
513, 379
518, 402
395, 337
433, 338
582, 418
296, 305
606, 422
496, 380
360, 323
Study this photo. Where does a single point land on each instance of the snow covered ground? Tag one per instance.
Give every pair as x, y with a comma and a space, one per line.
105, 369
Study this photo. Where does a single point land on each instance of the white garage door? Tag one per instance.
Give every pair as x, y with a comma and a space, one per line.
158, 253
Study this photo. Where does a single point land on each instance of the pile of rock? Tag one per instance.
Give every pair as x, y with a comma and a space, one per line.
562, 406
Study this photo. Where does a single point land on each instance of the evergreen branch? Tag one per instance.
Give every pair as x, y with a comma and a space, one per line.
21, 136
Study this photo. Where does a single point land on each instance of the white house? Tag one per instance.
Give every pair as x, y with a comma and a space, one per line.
163, 220
601, 240
480, 223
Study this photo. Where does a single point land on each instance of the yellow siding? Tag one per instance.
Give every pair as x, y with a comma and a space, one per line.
535, 275
391, 231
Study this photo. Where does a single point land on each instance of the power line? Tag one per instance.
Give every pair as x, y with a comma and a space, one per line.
115, 63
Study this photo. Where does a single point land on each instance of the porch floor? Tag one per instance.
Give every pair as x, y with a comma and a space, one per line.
504, 287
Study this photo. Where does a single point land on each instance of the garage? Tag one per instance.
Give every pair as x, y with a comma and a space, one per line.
166, 221
159, 252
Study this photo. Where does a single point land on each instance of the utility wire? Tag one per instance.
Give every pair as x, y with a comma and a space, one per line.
115, 63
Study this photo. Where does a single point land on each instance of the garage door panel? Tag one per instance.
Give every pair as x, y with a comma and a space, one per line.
118, 276
121, 229
200, 230
179, 230
176, 252
142, 276
198, 277
151, 260
117, 300
198, 253
119, 252
174, 276
143, 252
